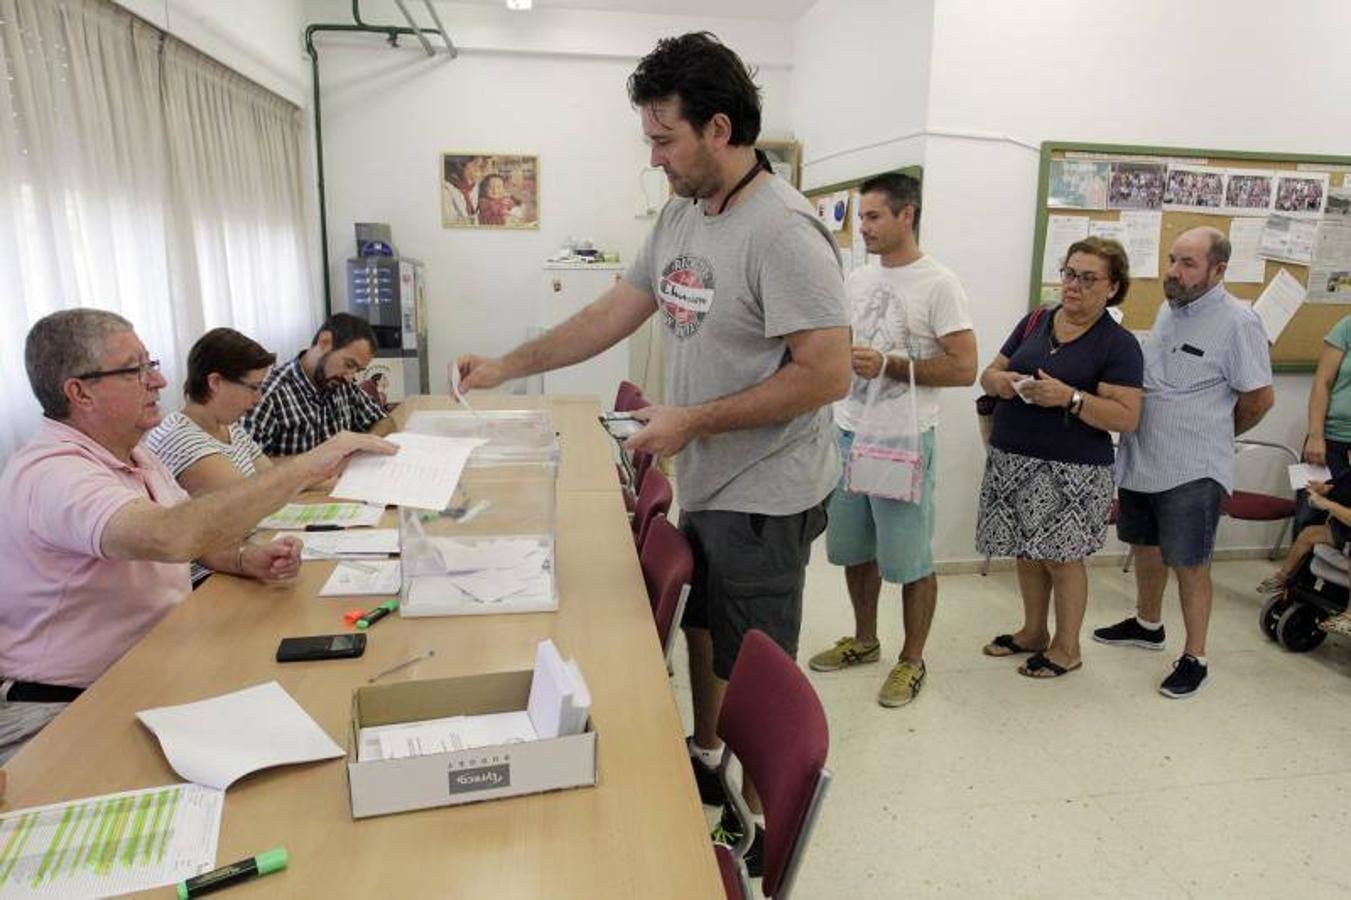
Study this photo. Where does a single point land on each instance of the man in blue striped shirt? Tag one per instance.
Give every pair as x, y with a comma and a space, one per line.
1207, 380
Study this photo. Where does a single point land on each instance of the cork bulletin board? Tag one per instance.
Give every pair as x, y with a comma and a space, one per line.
1185, 188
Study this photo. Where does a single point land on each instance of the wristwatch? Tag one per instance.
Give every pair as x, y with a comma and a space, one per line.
1076, 403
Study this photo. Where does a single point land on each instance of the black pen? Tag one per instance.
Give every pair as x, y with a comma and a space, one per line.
323, 528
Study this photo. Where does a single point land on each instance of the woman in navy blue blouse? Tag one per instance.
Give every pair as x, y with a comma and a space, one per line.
1065, 379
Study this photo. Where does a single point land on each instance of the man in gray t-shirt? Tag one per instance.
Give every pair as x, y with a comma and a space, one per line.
748, 289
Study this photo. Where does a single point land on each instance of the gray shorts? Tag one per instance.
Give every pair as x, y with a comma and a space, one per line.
749, 570
20, 721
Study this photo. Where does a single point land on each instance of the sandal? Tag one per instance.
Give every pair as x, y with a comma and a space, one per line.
1274, 583
1038, 664
1338, 624
1007, 645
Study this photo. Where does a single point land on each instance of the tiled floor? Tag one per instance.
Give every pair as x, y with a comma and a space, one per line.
992, 784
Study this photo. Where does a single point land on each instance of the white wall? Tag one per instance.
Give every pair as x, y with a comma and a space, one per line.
261, 39
1199, 74
860, 86
388, 114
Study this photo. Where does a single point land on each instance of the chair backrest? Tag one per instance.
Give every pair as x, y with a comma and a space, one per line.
668, 568
654, 499
774, 725
629, 397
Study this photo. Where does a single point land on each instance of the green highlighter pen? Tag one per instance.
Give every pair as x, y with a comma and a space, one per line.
253, 867
377, 614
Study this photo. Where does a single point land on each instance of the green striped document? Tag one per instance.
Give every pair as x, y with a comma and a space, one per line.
114, 844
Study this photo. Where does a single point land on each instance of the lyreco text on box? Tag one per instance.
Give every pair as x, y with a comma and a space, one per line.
381, 786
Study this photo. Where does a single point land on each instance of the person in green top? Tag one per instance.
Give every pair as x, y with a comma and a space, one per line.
1329, 438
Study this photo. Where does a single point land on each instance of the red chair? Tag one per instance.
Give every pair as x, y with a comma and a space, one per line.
654, 499
773, 724
1251, 506
629, 397
668, 567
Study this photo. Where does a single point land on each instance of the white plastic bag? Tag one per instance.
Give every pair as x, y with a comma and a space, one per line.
886, 458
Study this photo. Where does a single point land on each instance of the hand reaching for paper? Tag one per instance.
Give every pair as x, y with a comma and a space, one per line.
328, 458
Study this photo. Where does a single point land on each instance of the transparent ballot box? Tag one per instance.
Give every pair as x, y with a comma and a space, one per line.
492, 550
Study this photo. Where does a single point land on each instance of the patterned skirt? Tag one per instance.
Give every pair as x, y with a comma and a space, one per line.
1039, 509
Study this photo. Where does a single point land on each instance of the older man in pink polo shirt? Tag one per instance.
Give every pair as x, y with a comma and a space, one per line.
97, 536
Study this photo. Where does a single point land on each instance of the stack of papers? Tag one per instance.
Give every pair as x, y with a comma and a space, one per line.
111, 844
380, 576
218, 741
423, 474
332, 515
483, 576
559, 698
446, 735
1302, 473
361, 543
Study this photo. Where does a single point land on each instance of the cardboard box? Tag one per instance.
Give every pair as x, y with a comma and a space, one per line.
378, 787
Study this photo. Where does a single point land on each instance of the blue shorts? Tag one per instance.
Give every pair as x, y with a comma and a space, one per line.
899, 535
1180, 521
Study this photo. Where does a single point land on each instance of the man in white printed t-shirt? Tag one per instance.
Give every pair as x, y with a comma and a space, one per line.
909, 312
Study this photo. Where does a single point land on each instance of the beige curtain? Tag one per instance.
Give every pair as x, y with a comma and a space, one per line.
138, 175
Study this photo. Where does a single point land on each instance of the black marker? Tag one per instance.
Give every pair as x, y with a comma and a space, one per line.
253, 867
323, 528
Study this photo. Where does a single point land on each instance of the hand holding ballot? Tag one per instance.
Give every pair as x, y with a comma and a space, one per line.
1044, 390
477, 373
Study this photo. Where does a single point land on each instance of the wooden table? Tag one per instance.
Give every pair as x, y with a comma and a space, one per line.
639, 833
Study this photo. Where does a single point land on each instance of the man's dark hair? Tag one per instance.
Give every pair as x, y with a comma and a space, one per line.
706, 77
346, 328
226, 352
901, 191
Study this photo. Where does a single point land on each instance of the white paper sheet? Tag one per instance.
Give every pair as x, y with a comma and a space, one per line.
111, 844
445, 735
1246, 265
423, 474
1138, 232
1279, 303
216, 742
359, 543
1061, 231
1287, 238
550, 691
1330, 270
1302, 473
341, 515
349, 581
833, 210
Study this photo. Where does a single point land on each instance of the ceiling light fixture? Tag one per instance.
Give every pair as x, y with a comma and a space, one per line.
519, 4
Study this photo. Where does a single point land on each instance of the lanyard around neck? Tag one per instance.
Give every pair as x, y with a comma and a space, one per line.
761, 162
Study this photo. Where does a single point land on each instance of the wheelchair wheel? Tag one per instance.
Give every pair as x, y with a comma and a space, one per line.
1297, 629
1271, 614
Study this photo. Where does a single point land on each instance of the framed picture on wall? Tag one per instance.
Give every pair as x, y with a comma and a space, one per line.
489, 190
786, 158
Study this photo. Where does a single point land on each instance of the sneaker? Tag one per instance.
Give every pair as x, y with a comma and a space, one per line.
1188, 676
729, 831
902, 685
707, 780
846, 652
1130, 633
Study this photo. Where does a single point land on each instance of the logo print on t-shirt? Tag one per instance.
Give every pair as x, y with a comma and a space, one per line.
685, 293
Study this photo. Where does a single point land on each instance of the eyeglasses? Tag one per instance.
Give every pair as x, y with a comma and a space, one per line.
256, 388
1086, 279
143, 372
